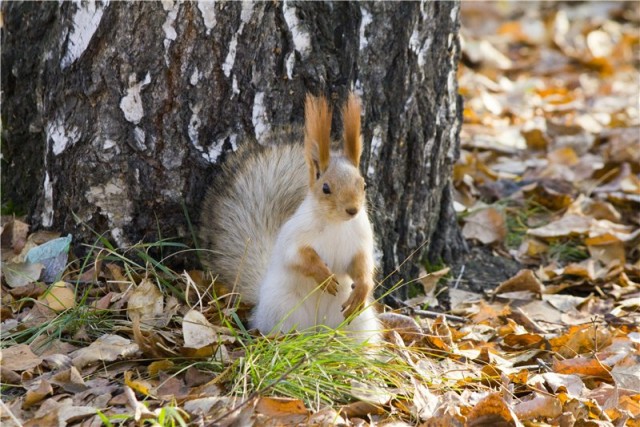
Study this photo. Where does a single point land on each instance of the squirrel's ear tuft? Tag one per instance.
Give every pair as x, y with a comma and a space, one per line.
317, 135
351, 131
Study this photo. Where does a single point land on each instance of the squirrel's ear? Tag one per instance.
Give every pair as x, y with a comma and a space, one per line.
351, 129
317, 134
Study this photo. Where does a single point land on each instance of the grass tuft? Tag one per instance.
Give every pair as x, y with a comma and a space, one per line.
318, 368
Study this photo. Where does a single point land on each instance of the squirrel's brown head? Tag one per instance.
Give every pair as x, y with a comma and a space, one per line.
334, 178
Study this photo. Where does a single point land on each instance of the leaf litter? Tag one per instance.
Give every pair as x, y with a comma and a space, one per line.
548, 177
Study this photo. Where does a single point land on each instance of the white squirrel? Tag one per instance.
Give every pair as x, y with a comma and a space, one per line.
296, 240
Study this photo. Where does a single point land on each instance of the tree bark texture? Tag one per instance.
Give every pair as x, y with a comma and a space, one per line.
116, 116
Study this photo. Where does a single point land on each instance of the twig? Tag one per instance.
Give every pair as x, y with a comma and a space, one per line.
455, 285
435, 314
429, 313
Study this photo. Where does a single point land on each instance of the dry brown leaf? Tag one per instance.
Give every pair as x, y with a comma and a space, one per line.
425, 402
107, 348
563, 156
430, 280
487, 226
626, 374
280, 406
569, 225
582, 366
525, 280
581, 340
203, 405
606, 252
37, 394
489, 313
19, 358
597, 209
408, 329
491, 410
552, 194
371, 393
327, 417
524, 341
146, 302
198, 332
14, 235
538, 407
21, 274
536, 139
361, 410
572, 384
70, 380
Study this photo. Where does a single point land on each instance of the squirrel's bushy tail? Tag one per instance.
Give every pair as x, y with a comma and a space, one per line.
257, 191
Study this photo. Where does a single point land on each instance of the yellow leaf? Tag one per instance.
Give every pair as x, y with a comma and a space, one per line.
141, 387
159, 365
59, 297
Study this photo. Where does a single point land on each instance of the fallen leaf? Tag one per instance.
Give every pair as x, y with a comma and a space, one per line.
107, 348
425, 402
486, 225
489, 312
525, 280
147, 303
19, 358
198, 332
627, 374
557, 382
581, 340
37, 394
361, 409
582, 366
159, 365
370, 393
491, 410
430, 280
14, 235
408, 329
279, 406
203, 405
32, 290
538, 407
524, 341
141, 386
536, 139
59, 297
53, 255
70, 380
568, 225
21, 274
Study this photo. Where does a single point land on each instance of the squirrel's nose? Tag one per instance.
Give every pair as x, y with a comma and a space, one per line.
352, 211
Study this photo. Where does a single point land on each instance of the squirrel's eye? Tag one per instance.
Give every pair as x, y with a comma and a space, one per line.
326, 189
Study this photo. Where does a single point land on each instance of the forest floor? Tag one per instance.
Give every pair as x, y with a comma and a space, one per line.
540, 324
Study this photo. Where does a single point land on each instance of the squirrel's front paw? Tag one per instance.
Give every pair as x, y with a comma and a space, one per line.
356, 299
330, 285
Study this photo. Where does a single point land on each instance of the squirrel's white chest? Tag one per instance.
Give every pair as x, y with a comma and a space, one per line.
337, 244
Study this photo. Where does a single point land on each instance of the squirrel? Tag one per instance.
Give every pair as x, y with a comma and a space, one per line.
297, 240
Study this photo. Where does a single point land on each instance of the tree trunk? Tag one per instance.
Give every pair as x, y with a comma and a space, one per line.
116, 116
